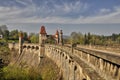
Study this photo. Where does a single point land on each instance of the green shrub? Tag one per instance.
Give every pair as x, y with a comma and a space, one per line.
16, 73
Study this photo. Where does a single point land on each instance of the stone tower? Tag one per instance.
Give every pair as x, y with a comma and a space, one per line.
20, 42
42, 38
57, 37
61, 37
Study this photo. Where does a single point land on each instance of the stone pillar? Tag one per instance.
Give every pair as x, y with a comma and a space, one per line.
42, 38
61, 37
67, 69
20, 42
88, 57
57, 37
72, 72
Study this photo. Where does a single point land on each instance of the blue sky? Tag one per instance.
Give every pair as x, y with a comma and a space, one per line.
63, 12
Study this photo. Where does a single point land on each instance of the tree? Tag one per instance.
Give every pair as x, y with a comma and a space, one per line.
1, 32
34, 38
77, 38
6, 34
118, 40
89, 38
92, 40
25, 35
85, 39
14, 35
50, 39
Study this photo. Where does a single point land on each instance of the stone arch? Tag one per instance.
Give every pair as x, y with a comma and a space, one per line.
71, 57
75, 67
55, 50
33, 47
24, 46
28, 47
60, 53
63, 54
36, 47
70, 61
66, 57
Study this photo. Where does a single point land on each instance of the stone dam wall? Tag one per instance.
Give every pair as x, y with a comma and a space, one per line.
78, 63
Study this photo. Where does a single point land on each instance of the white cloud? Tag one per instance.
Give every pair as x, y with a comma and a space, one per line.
72, 7
22, 2
46, 15
12, 14
111, 18
104, 11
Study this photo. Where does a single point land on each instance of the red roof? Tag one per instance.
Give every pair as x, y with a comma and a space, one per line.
42, 30
57, 33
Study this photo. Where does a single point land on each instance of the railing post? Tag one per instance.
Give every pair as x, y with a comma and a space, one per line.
88, 57
101, 64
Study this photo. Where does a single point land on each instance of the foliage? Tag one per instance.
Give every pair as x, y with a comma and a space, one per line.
34, 38
14, 35
16, 73
76, 38
6, 34
48, 73
50, 39
4, 53
25, 36
1, 32
92, 39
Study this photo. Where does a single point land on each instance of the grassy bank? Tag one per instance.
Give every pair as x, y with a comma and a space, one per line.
47, 70
12, 72
16, 73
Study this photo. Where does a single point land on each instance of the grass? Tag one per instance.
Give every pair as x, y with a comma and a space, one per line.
48, 73
49, 70
16, 73
12, 72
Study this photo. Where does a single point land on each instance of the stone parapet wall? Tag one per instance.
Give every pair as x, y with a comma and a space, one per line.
78, 63
72, 67
106, 64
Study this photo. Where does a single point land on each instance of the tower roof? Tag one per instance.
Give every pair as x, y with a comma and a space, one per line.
42, 30
57, 33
